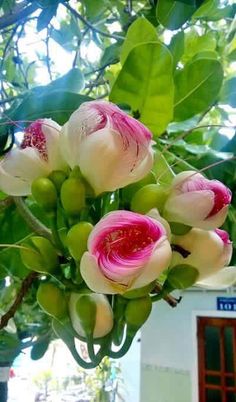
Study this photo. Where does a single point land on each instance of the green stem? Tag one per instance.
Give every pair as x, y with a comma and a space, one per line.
95, 358
31, 220
57, 240
123, 350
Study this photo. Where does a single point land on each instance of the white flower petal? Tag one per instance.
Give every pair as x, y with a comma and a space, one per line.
93, 277
189, 208
221, 280
18, 169
51, 131
158, 262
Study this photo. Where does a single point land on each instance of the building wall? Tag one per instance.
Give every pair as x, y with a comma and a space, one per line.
168, 348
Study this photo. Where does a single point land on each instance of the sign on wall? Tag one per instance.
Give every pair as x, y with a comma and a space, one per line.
226, 303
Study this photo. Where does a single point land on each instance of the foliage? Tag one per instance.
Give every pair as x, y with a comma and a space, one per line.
181, 84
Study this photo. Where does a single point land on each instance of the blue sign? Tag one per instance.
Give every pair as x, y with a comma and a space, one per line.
226, 303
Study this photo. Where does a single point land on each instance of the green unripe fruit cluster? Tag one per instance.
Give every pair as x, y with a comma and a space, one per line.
131, 189
52, 300
73, 196
58, 177
148, 197
45, 193
39, 255
137, 312
77, 239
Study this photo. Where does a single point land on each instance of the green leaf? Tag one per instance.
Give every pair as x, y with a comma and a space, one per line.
45, 16
57, 105
195, 43
197, 87
212, 10
73, 81
94, 9
141, 31
39, 349
176, 47
146, 84
228, 93
173, 14
182, 276
111, 55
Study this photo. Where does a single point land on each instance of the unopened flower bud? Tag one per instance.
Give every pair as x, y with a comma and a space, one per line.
137, 312
90, 314
148, 197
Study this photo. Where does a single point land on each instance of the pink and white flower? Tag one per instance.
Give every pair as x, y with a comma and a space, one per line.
111, 148
125, 251
207, 250
38, 155
197, 201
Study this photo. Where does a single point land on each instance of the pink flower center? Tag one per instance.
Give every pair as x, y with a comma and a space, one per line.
127, 241
34, 138
223, 235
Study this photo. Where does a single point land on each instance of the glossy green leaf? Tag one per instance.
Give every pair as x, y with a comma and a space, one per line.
45, 16
141, 31
228, 93
173, 14
195, 43
57, 105
182, 276
176, 47
212, 10
197, 87
146, 84
73, 81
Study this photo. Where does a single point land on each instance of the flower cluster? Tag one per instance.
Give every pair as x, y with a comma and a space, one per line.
126, 240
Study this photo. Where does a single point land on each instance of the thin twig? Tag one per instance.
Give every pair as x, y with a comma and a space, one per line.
172, 301
25, 286
89, 25
31, 220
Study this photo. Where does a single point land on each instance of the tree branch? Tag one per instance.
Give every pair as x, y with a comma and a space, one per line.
17, 14
31, 220
25, 286
172, 301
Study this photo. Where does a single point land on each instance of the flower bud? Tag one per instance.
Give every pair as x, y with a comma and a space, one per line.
90, 313
111, 148
207, 251
137, 312
44, 193
77, 239
196, 201
52, 300
39, 255
73, 196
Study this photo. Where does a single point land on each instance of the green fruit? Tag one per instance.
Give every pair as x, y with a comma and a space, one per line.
45, 193
148, 197
39, 255
137, 312
52, 300
131, 189
77, 239
57, 177
73, 196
